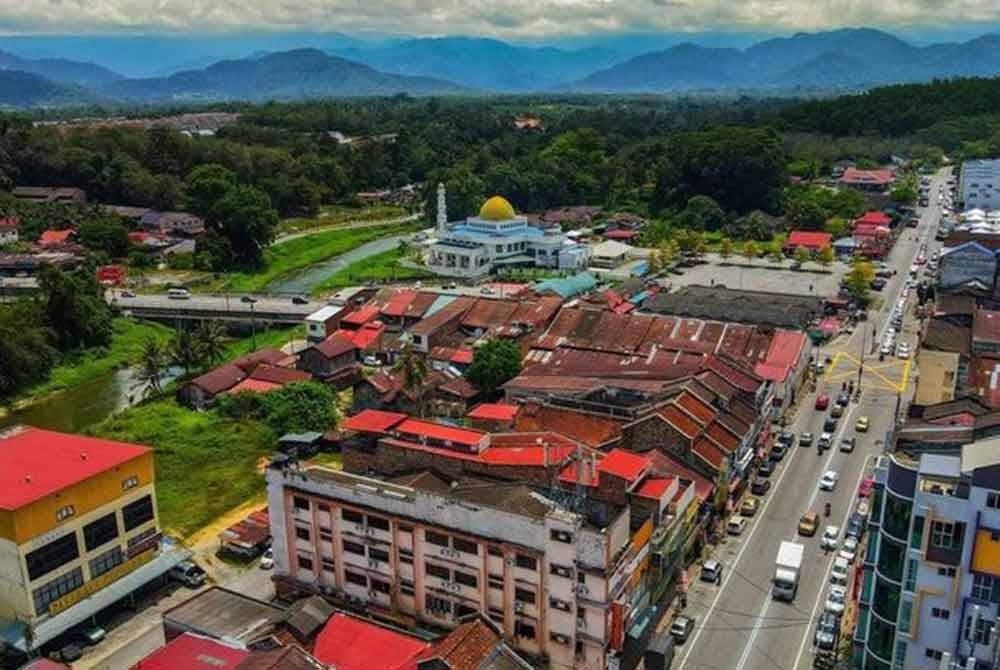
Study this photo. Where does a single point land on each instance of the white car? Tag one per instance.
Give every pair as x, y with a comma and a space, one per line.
886, 349
830, 535
736, 526
841, 572
836, 600
267, 560
902, 351
828, 481
849, 550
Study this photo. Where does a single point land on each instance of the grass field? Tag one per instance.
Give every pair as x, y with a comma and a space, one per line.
334, 215
273, 338
287, 258
126, 346
205, 465
379, 268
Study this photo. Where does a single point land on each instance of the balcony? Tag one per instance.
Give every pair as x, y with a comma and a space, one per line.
886, 603
891, 557
881, 640
896, 517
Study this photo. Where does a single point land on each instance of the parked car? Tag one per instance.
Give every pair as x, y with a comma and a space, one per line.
841, 572
827, 631
837, 411
825, 441
681, 628
736, 526
91, 635
749, 506
766, 469
847, 444
760, 486
189, 574
127, 294
299, 300
849, 550
843, 398
267, 560
861, 425
830, 424
822, 402
711, 571
836, 600
777, 452
786, 438
878, 284
67, 653
808, 524
805, 439
371, 361
828, 481
831, 535
903, 351
856, 526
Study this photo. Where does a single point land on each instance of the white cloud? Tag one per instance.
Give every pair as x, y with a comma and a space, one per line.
500, 18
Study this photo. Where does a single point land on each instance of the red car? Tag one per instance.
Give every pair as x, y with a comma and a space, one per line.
865, 489
822, 401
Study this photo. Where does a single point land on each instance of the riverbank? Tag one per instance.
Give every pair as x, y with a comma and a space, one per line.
379, 268
127, 340
331, 216
286, 259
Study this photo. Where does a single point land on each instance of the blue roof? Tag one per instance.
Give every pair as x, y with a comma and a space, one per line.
639, 297
567, 287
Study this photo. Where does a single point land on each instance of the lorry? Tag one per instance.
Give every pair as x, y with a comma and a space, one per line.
787, 568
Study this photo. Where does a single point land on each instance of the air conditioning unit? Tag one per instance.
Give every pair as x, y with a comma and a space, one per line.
372, 593
369, 531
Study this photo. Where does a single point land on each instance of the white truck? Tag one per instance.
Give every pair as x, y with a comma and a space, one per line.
787, 568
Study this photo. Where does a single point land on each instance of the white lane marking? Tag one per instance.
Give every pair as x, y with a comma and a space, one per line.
829, 567
761, 513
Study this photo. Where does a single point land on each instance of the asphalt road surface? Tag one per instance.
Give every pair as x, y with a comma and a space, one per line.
738, 625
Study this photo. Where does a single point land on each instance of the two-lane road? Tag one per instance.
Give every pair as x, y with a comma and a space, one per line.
738, 625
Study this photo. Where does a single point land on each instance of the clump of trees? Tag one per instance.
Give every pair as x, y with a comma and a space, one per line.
494, 364
296, 408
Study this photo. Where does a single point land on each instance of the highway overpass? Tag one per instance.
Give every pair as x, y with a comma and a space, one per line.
205, 307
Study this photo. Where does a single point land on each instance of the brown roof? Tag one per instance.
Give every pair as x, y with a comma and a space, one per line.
471, 646
592, 430
709, 452
291, 657
986, 326
945, 336
701, 411
487, 314
452, 311
459, 387
220, 379
268, 356
537, 312
420, 304
948, 303
335, 345
679, 420
276, 375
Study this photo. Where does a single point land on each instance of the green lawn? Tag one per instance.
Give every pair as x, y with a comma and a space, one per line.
379, 268
335, 215
273, 338
205, 465
287, 258
125, 348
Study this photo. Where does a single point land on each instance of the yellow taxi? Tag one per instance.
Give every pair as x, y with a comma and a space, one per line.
862, 424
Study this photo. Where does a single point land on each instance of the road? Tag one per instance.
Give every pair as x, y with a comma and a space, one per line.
738, 625
275, 309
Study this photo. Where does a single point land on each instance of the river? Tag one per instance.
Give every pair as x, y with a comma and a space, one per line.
314, 275
80, 407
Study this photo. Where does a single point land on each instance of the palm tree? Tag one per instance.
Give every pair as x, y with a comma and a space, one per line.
413, 367
152, 364
184, 351
211, 339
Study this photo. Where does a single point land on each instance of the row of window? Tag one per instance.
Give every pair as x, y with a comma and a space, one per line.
56, 589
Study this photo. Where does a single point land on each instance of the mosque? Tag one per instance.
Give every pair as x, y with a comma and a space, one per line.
496, 238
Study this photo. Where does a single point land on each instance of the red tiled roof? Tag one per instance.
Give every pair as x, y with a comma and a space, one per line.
654, 487
399, 303
503, 451
742, 379
721, 436
701, 411
881, 177
335, 345
362, 315
460, 387
38, 463
218, 380
372, 421
8, 223
498, 411
709, 452
364, 336
782, 356
471, 646
875, 218
808, 239
589, 429
276, 375
462, 356
664, 464
679, 420
56, 236
623, 464
439, 431
569, 474
350, 643
250, 385
193, 652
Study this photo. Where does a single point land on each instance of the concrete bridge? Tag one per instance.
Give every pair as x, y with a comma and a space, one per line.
242, 308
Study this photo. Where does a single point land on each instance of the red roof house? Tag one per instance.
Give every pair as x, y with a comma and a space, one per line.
51, 238
193, 652
867, 180
875, 218
810, 240
623, 464
350, 643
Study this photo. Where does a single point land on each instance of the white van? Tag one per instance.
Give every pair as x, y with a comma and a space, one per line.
178, 294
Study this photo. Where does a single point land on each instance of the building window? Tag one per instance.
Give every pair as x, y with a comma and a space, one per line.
910, 580
130, 482
496, 582
106, 562
900, 658
466, 546
378, 522
328, 564
982, 587
406, 556
380, 586
137, 513
494, 551
65, 512
100, 532
438, 539
581, 578
405, 529
526, 562
56, 589
933, 654
355, 578
438, 571
323, 507
302, 533
946, 535
439, 605
940, 613
325, 535
305, 563
981, 635
51, 556
561, 536
354, 548
945, 572
378, 554
406, 587
466, 579
464, 610
993, 499
524, 596
525, 630
301, 503
495, 614
351, 516
141, 537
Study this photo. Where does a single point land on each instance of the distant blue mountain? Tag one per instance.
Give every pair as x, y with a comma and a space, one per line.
60, 70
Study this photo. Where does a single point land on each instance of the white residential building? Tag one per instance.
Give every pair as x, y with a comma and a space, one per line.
979, 185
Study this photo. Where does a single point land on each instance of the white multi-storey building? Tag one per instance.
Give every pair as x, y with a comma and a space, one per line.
979, 185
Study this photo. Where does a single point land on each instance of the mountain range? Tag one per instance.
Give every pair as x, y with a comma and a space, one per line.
835, 60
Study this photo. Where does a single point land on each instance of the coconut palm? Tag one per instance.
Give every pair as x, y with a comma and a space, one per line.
185, 352
211, 338
153, 362
413, 368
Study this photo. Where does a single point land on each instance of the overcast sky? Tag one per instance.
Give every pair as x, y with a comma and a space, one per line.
499, 18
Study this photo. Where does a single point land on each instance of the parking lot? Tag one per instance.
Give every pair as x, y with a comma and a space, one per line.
762, 275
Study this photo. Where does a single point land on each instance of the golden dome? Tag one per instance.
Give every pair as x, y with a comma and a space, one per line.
496, 209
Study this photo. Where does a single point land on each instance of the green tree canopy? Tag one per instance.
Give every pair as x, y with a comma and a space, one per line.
494, 364
301, 407
74, 309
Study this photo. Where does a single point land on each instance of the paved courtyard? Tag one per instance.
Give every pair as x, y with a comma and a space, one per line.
762, 275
